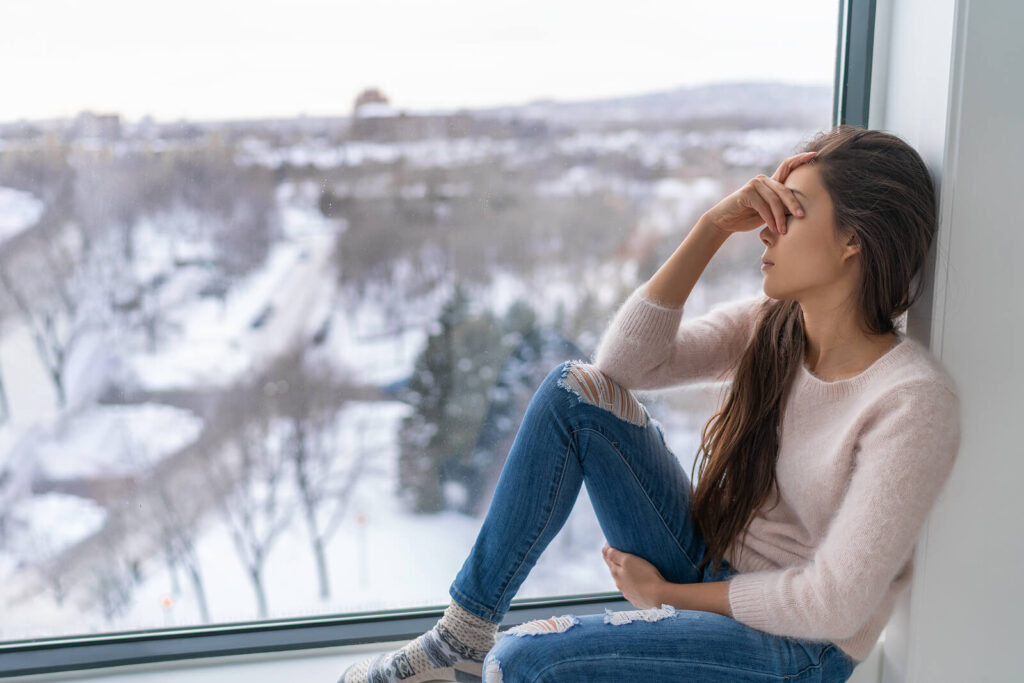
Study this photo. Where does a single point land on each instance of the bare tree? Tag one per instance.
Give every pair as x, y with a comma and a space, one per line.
112, 574
247, 481
178, 539
175, 516
308, 402
56, 293
40, 553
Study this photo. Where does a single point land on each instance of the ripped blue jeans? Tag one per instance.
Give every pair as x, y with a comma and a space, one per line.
581, 427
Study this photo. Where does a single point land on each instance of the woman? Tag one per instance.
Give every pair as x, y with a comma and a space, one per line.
815, 476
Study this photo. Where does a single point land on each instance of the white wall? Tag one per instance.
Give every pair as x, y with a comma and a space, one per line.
948, 79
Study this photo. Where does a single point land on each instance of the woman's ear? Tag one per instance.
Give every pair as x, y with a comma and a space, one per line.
852, 246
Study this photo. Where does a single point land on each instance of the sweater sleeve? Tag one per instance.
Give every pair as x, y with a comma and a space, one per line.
904, 456
646, 347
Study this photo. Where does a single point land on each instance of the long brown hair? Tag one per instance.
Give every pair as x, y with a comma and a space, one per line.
882, 192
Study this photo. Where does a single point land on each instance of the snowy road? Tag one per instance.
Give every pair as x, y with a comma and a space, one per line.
295, 298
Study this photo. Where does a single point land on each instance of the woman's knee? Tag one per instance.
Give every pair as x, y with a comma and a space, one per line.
592, 386
523, 649
492, 668
499, 661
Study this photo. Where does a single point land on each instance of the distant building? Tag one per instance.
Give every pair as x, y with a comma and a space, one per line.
105, 127
372, 103
374, 118
20, 130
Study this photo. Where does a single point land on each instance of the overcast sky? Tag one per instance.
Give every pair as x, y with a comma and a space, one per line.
212, 59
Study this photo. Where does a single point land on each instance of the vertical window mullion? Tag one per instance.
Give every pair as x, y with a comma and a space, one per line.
854, 49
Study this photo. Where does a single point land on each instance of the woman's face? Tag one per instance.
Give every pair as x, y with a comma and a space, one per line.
810, 258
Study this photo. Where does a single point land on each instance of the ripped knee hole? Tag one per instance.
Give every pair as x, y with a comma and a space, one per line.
596, 388
541, 627
629, 616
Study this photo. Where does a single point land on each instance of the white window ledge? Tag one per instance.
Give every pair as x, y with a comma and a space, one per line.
320, 665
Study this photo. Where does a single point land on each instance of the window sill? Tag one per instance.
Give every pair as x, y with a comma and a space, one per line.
205, 649
317, 664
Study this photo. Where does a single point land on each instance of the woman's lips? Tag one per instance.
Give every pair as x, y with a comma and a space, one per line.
765, 265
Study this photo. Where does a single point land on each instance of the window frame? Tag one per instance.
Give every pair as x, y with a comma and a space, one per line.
850, 102
52, 655
855, 41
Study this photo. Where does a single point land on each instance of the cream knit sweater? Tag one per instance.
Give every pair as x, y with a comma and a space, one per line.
861, 462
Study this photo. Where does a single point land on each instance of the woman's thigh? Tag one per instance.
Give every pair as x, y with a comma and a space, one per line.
658, 645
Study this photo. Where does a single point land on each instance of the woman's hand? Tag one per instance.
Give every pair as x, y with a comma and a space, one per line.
638, 579
762, 200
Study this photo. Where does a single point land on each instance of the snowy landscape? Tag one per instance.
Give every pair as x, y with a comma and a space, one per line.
270, 369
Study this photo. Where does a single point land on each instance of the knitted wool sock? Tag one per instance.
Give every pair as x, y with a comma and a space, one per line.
453, 650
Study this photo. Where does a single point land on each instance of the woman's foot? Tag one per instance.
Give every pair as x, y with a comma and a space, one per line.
453, 650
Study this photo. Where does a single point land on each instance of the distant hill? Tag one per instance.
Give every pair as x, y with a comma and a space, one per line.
772, 103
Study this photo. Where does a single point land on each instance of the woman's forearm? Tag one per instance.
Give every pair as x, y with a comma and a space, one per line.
712, 596
671, 285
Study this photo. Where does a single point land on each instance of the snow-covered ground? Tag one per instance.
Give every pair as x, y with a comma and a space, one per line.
757, 146
215, 343
421, 153
47, 523
114, 439
18, 211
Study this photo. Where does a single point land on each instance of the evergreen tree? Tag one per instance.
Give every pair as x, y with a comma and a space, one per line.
469, 390
447, 390
530, 351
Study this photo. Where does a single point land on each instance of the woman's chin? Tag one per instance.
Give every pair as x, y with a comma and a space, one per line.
770, 291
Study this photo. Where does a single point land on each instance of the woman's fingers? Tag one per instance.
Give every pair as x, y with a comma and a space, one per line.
763, 196
606, 552
786, 195
790, 163
762, 207
776, 209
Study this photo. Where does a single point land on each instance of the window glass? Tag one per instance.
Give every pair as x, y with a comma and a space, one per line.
277, 280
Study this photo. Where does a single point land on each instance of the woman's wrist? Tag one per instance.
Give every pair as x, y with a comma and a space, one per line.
707, 224
710, 596
671, 285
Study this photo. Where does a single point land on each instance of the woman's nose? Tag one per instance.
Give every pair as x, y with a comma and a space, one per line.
767, 236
